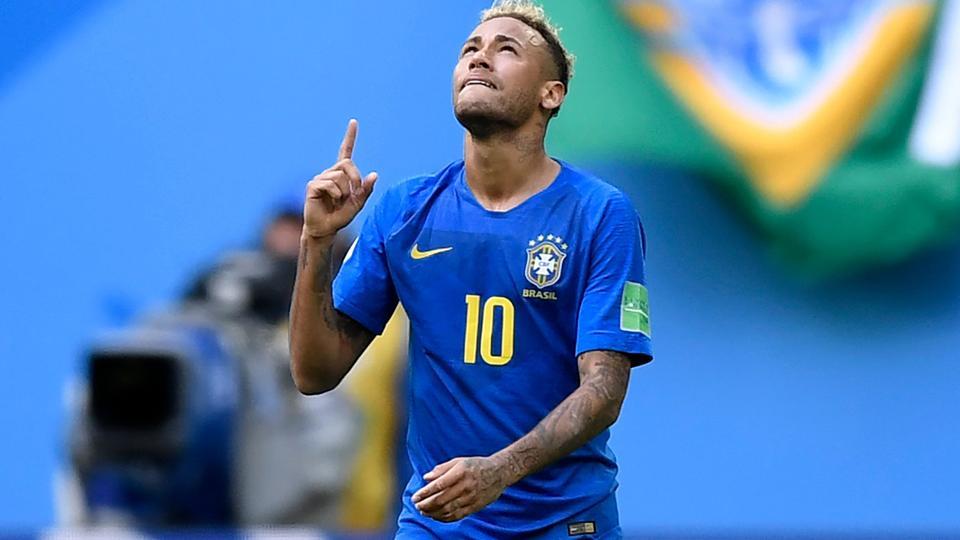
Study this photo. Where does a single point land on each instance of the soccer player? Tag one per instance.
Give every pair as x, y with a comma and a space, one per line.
523, 278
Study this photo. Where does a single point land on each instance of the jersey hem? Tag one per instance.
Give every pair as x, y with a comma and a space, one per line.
358, 314
640, 350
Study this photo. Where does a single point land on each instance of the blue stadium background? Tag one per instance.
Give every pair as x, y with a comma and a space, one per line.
139, 139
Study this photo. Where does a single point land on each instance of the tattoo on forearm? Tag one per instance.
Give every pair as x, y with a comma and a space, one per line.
320, 277
488, 477
586, 412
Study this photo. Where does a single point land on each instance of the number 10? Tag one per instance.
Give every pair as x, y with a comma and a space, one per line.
486, 337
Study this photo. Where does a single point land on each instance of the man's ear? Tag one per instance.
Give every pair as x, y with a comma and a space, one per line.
552, 95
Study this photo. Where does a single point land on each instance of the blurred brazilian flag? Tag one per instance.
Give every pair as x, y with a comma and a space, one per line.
835, 124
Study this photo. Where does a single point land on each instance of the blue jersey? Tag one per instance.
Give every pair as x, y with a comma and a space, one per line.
500, 306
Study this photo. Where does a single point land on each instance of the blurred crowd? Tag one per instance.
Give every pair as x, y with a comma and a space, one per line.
190, 418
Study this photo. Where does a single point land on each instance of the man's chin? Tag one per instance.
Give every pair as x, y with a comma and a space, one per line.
480, 121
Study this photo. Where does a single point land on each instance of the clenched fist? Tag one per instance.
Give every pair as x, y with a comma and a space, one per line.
335, 196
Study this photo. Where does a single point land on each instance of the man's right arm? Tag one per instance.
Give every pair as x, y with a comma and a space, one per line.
325, 343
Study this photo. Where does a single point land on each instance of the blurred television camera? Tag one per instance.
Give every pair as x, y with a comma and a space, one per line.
190, 417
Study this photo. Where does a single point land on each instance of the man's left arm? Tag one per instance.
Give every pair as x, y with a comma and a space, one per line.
464, 485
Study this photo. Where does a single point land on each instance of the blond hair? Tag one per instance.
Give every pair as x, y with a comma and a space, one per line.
532, 15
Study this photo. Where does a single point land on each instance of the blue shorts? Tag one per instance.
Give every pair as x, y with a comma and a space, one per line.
599, 522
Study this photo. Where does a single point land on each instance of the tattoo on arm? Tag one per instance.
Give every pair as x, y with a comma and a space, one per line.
590, 409
350, 331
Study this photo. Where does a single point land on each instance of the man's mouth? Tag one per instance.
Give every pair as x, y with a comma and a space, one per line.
479, 82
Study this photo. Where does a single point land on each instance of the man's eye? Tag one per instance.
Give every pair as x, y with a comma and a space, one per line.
468, 50
508, 48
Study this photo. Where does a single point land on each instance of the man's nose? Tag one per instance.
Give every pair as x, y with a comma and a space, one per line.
480, 59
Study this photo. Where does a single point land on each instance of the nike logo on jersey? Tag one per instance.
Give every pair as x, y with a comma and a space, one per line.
416, 254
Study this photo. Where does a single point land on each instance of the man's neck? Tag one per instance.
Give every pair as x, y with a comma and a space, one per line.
506, 169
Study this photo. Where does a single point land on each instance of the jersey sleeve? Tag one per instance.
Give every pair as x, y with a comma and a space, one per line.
363, 289
615, 313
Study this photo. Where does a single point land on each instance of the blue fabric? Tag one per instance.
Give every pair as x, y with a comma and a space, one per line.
543, 283
604, 517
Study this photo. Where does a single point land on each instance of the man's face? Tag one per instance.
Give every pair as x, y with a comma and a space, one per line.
499, 79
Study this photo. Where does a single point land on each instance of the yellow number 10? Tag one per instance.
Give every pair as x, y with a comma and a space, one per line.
486, 338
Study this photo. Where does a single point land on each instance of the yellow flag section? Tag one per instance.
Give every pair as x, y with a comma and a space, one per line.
787, 148
373, 382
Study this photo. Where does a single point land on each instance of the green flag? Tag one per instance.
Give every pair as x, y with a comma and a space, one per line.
826, 121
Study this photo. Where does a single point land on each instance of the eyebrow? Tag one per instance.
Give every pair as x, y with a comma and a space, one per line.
499, 38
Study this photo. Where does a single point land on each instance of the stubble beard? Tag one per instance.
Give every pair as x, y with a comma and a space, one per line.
485, 120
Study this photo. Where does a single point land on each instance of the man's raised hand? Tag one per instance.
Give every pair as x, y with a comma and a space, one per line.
335, 196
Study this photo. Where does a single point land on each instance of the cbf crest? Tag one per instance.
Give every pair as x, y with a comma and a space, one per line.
545, 260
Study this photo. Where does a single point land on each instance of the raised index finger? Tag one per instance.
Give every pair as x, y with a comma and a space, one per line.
349, 139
